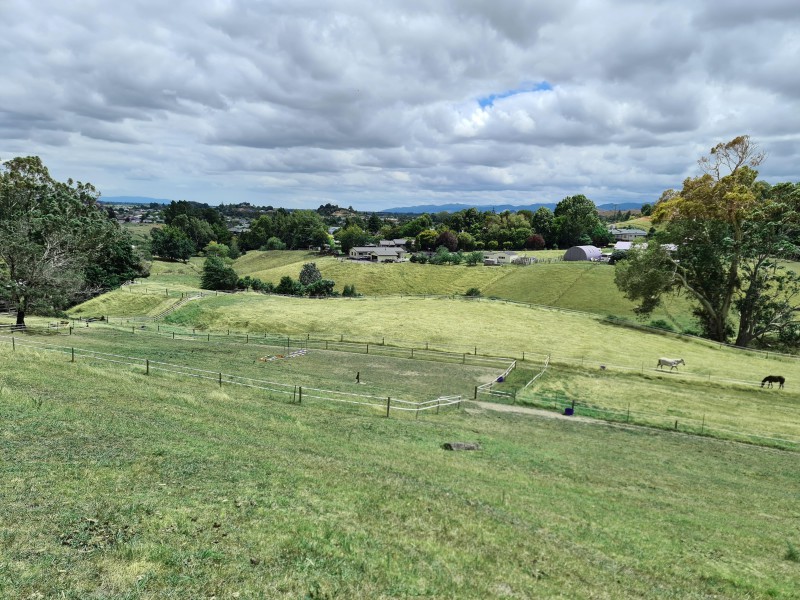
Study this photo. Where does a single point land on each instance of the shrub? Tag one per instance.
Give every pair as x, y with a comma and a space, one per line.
217, 275
474, 258
310, 274
274, 243
792, 554
320, 288
662, 324
472, 292
289, 287
617, 256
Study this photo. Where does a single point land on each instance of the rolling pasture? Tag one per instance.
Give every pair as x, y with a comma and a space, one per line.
121, 485
607, 369
576, 286
124, 483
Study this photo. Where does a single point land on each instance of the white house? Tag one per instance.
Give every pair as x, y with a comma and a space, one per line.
627, 235
377, 254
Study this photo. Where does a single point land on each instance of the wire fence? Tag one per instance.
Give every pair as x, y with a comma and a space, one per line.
298, 392
379, 347
684, 424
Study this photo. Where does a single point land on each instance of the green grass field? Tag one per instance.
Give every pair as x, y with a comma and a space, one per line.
715, 393
122, 485
385, 372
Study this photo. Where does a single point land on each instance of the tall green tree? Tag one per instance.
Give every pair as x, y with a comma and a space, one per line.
218, 275
731, 233
57, 246
575, 220
171, 243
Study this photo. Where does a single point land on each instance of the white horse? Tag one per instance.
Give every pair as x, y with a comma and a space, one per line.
672, 363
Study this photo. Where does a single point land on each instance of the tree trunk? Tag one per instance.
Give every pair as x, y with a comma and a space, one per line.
20, 317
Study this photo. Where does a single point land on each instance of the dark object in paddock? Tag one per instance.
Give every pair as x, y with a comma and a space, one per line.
461, 446
770, 379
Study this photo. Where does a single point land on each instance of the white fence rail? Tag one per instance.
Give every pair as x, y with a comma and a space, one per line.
297, 392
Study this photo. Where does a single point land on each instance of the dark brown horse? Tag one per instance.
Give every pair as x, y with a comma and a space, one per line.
770, 379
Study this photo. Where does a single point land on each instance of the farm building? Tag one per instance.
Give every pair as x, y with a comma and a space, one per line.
627, 235
499, 258
582, 253
376, 254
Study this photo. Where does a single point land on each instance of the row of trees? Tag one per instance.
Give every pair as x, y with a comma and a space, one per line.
57, 246
575, 221
218, 274
733, 234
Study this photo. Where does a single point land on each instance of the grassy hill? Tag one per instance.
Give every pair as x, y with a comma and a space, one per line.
577, 286
121, 485
607, 369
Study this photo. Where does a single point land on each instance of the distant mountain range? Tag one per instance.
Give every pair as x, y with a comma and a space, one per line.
132, 200
417, 210
435, 208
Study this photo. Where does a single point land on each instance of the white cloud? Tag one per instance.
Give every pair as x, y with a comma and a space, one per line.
376, 105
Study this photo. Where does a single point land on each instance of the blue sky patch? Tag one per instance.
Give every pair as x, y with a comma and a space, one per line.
542, 86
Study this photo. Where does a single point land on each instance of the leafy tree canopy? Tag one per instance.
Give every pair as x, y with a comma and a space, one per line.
57, 246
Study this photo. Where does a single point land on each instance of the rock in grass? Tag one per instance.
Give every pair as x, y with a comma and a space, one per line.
461, 446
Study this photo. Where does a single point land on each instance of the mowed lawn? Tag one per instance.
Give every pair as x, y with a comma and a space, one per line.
120, 485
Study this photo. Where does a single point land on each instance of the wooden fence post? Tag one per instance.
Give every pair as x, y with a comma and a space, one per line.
388, 405
475, 397
437, 406
173, 335
300, 395
367, 348
73, 355
220, 380
147, 366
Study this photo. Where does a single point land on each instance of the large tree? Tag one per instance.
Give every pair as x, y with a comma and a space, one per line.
730, 233
57, 246
576, 221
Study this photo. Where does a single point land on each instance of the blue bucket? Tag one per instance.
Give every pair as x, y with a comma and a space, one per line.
569, 411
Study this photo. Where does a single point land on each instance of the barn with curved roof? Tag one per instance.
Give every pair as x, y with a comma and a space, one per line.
582, 253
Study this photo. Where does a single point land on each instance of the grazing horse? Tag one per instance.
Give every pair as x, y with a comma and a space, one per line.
770, 379
672, 363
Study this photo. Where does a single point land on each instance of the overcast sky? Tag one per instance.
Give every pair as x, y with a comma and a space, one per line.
377, 104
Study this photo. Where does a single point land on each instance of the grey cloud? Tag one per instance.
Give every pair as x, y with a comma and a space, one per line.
294, 100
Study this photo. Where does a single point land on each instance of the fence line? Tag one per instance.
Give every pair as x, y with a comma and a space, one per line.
380, 348
691, 425
129, 285
539, 374
225, 378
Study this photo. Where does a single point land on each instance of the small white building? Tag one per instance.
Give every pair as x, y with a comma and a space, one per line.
499, 258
